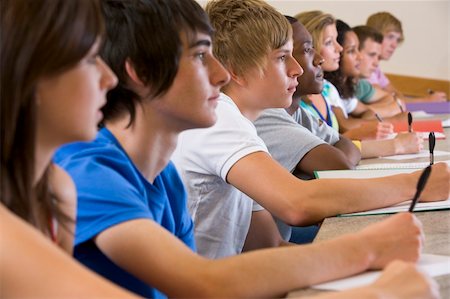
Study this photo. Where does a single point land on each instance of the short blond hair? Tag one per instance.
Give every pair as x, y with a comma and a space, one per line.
245, 32
315, 22
385, 22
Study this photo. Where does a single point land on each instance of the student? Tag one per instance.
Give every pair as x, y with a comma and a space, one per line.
37, 76
227, 165
132, 223
52, 87
392, 30
370, 41
298, 141
323, 30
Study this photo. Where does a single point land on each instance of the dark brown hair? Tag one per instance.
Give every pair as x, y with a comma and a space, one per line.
366, 32
344, 84
146, 32
39, 38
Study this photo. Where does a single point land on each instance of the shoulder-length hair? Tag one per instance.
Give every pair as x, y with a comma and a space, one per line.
39, 38
344, 84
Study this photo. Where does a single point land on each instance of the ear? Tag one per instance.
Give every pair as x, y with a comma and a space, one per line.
131, 72
238, 79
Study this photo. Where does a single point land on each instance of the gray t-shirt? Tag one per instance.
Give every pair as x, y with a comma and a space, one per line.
290, 138
316, 126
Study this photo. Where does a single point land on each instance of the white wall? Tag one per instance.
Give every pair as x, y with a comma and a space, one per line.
426, 50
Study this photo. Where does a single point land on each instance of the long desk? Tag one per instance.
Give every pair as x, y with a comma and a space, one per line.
436, 224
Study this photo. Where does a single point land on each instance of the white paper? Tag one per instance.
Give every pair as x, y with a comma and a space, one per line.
421, 154
375, 173
404, 207
416, 165
433, 265
446, 123
421, 114
361, 174
423, 135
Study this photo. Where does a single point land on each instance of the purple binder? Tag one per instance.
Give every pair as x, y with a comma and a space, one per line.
430, 107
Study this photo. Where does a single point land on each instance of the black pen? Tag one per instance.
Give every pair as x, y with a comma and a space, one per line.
431, 144
420, 186
378, 118
430, 91
410, 120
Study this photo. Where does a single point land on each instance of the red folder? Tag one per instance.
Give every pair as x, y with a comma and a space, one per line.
433, 125
426, 126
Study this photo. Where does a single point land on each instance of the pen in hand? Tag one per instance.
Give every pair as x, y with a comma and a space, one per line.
410, 120
431, 144
420, 186
378, 118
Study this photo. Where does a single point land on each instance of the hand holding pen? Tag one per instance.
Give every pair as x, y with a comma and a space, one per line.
420, 186
431, 144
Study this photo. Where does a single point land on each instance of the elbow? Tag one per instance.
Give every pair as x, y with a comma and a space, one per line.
343, 163
300, 216
352, 161
339, 162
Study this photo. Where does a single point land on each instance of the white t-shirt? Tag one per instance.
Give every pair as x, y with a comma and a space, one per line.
335, 100
221, 212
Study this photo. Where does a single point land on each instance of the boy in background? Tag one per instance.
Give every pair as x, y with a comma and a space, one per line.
392, 31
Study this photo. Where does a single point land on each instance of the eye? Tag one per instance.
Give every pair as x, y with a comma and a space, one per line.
282, 58
200, 55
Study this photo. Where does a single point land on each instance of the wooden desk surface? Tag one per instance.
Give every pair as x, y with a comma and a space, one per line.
436, 224
436, 227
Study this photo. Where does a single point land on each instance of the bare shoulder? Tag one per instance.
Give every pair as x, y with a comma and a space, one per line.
62, 185
64, 190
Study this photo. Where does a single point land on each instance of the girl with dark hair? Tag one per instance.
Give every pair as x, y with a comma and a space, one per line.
53, 85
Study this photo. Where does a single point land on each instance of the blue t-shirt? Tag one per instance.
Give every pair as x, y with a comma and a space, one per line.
111, 190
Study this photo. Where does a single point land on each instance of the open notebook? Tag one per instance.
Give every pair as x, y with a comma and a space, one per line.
414, 165
374, 173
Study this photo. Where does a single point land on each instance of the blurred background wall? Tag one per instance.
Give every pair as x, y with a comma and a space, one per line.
425, 52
